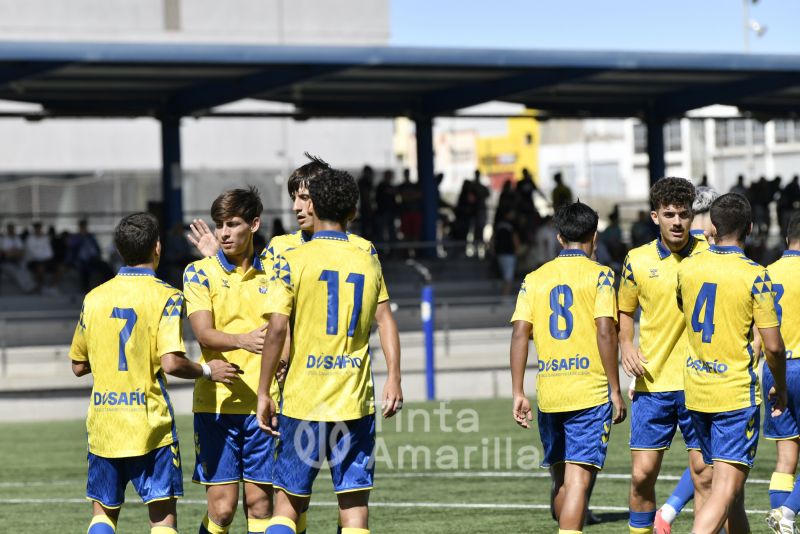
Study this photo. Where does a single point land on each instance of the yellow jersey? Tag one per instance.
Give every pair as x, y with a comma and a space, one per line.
281, 243
125, 326
722, 294
786, 286
649, 275
329, 288
562, 299
236, 302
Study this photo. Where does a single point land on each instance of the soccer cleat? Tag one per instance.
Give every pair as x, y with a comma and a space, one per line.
779, 524
660, 525
592, 519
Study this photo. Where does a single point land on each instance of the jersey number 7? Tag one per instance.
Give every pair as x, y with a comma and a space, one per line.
332, 280
125, 334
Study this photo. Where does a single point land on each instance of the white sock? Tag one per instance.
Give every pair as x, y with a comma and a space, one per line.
668, 513
787, 514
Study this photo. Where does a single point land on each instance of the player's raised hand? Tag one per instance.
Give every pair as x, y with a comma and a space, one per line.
620, 411
522, 411
392, 398
202, 238
223, 371
632, 360
267, 415
253, 341
777, 400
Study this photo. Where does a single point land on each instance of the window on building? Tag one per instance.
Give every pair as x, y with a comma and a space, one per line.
672, 136
639, 138
734, 132
758, 132
721, 133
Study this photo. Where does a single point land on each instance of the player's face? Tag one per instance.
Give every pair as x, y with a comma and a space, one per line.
673, 222
303, 210
235, 235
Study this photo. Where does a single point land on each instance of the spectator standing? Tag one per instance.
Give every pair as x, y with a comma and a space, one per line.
562, 194
739, 187
788, 203
13, 251
507, 201
410, 195
85, 256
39, 259
611, 239
481, 196
643, 230
277, 228
505, 245
365, 202
386, 210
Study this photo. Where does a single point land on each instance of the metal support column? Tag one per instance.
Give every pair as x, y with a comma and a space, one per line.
427, 180
655, 148
171, 175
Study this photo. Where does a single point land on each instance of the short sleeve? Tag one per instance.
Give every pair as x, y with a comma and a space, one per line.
764, 313
678, 291
170, 327
281, 292
196, 289
78, 351
523, 311
605, 301
383, 295
628, 288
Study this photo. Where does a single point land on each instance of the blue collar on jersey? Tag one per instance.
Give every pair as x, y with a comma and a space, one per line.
664, 252
331, 234
305, 237
727, 249
572, 253
136, 271
790, 253
697, 232
229, 267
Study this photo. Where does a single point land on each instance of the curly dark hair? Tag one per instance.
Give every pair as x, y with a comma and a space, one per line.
576, 222
334, 194
302, 175
671, 191
135, 238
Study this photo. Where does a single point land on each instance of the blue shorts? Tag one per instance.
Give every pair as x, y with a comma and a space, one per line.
230, 448
730, 437
156, 476
348, 447
785, 426
578, 437
656, 416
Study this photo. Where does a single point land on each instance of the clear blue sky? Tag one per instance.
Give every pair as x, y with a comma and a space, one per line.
677, 25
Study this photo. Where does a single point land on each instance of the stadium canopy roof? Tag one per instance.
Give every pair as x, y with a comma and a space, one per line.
155, 79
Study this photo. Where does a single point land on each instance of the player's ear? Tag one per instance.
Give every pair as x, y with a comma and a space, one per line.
351, 216
654, 217
255, 225
713, 231
157, 250
561, 240
750, 229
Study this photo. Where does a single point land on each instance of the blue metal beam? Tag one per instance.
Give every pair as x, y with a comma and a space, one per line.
427, 179
171, 173
16, 72
216, 93
472, 94
656, 164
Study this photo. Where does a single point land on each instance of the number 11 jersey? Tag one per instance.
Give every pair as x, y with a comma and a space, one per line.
330, 289
125, 326
562, 299
723, 294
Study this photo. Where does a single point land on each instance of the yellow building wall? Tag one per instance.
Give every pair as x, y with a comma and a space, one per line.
503, 157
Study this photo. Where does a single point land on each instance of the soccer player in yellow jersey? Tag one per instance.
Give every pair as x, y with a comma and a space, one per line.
569, 307
784, 492
128, 336
328, 290
657, 410
723, 294
684, 491
224, 301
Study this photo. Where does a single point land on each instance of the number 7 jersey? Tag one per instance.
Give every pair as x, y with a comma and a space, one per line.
125, 326
723, 294
329, 288
562, 299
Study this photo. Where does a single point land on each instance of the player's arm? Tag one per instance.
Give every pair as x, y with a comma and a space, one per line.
607, 343
203, 238
520, 335
390, 343
210, 338
628, 302
775, 352
78, 350
217, 370
270, 355
81, 368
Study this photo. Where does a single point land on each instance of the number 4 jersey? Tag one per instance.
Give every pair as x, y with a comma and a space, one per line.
125, 326
562, 299
723, 294
329, 288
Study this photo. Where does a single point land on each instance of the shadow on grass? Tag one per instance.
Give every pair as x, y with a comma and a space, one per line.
611, 517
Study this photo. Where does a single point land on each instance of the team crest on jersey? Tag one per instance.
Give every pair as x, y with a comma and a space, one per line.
653, 273
225, 284
262, 290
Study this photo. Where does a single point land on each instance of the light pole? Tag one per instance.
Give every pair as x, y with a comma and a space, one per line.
750, 24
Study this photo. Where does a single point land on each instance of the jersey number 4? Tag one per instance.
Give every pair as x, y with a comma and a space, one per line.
331, 278
705, 299
561, 300
125, 334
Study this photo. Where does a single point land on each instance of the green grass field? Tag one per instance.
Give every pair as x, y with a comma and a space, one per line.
461, 490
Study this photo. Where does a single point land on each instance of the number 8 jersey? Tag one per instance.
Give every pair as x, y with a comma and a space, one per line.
329, 288
723, 294
562, 299
125, 326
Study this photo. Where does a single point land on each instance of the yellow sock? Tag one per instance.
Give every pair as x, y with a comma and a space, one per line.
101, 524
561, 531
348, 530
781, 482
641, 530
163, 530
302, 521
212, 527
258, 526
